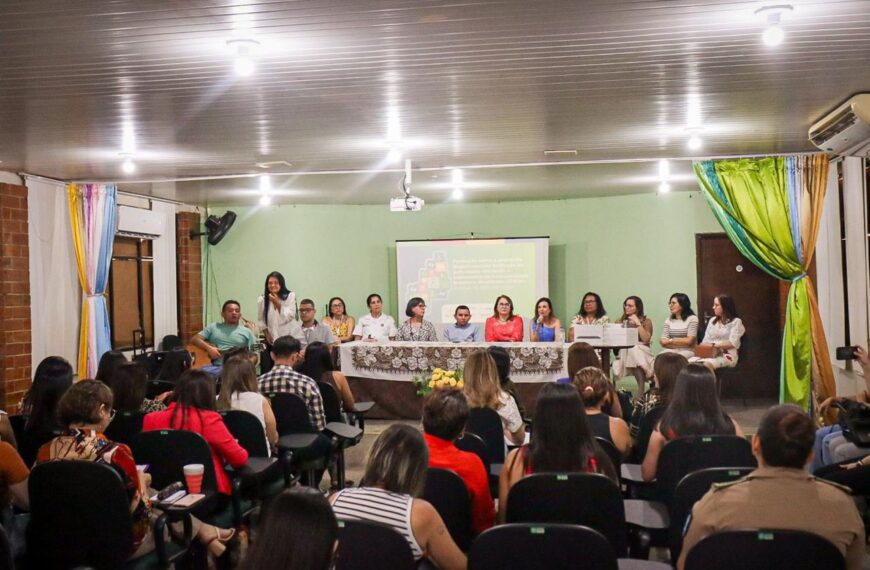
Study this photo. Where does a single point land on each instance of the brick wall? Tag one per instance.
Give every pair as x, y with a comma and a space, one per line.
14, 296
189, 274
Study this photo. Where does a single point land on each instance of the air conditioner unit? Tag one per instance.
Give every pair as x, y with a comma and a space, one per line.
138, 222
845, 131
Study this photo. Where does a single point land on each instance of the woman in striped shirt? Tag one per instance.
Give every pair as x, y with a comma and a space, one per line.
680, 333
395, 474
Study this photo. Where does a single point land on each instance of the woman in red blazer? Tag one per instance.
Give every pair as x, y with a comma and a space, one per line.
193, 410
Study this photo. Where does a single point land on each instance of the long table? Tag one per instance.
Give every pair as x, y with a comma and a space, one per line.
381, 372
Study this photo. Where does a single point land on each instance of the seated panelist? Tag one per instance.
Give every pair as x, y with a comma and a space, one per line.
415, 328
503, 325
723, 334
463, 330
376, 326
545, 327
591, 312
217, 338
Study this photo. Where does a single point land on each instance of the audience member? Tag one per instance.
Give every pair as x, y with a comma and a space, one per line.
648, 409
723, 335
193, 409
596, 392
561, 442
591, 312
462, 330
276, 313
503, 365
239, 392
680, 332
86, 410
638, 359
129, 385
53, 376
217, 338
780, 494
580, 355
445, 412
109, 362
694, 410
394, 477
544, 326
416, 328
483, 391
339, 322
298, 532
375, 326
287, 354
313, 331
503, 325
175, 362
318, 366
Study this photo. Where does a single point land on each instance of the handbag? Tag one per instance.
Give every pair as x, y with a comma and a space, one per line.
854, 418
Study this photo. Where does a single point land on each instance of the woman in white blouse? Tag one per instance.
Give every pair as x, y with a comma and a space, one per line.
723, 334
376, 326
276, 315
680, 333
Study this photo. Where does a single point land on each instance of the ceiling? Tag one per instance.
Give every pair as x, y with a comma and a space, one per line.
459, 84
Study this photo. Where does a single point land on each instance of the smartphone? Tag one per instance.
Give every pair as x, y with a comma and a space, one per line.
143, 468
188, 500
846, 352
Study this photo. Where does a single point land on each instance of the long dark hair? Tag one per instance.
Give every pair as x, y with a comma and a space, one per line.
282, 294
694, 407
109, 362
194, 392
53, 377
298, 532
580, 355
561, 440
638, 307
666, 368
685, 305
729, 309
129, 383
176, 361
599, 306
318, 361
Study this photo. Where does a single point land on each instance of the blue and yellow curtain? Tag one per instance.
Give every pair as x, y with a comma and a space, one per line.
771, 209
93, 216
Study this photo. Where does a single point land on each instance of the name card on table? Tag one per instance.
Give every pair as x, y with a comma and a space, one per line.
605, 335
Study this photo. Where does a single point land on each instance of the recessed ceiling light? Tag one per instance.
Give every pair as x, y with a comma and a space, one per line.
265, 200
664, 188
664, 169
128, 166
458, 194
773, 34
243, 50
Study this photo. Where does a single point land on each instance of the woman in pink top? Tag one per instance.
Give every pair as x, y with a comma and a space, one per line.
193, 410
503, 325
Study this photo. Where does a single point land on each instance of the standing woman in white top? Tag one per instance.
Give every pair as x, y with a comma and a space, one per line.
239, 392
276, 315
723, 334
376, 326
680, 333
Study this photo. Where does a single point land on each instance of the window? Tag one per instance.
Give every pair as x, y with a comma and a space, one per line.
131, 293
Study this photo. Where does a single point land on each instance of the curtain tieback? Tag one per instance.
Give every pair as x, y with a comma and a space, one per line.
103, 294
798, 277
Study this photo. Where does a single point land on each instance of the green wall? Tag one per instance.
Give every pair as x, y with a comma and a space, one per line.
640, 244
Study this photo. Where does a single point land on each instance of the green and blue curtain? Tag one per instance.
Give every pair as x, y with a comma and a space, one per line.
771, 210
93, 220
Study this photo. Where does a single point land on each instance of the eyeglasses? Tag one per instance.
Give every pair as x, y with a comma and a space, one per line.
504, 304
421, 306
306, 310
336, 305
589, 302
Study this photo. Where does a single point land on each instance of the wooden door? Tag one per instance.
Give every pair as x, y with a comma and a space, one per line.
723, 269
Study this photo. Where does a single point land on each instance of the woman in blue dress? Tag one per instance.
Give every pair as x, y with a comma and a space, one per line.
545, 327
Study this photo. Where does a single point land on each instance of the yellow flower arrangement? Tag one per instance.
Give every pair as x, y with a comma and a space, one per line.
438, 379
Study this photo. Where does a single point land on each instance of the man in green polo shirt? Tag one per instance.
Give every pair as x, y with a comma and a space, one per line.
219, 337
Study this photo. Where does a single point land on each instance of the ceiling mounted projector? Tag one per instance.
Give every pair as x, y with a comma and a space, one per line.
216, 228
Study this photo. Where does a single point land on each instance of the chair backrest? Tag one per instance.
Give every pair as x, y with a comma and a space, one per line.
157, 387
541, 547
124, 426
472, 443
486, 423
611, 451
686, 454
689, 491
167, 451
6, 560
79, 515
331, 402
363, 545
765, 550
247, 430
587, 499
291, 413
446, 491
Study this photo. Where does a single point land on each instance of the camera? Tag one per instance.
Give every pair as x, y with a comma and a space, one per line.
846, 352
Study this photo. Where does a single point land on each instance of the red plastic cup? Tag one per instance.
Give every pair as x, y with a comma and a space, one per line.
193, 477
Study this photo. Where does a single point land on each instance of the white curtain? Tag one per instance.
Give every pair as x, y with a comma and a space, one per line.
855, 217
55, 295
165, 284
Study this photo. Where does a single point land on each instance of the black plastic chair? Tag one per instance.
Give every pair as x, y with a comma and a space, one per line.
764, 550
6, 560
689, 491
687, 454
486, 423
332, 411
363, 545
472, 443
80, 516
541, 547
274, 476
332, 407
157, 387
587, 499
612, 452
448, 494
726, 375
291, 413
124, 426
